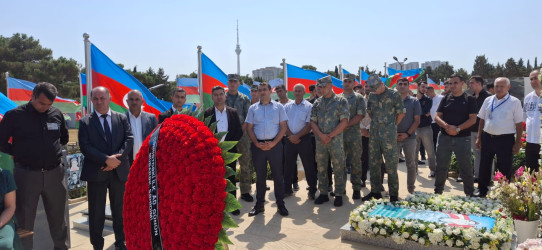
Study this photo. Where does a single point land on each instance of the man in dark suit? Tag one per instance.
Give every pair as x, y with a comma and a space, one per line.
106, 141
178, 97
228, 121
142, 123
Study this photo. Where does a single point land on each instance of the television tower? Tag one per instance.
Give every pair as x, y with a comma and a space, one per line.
238, 51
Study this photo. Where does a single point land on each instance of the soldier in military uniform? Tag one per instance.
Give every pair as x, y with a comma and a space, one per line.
386, 109
352, 133
241, 102
329, 117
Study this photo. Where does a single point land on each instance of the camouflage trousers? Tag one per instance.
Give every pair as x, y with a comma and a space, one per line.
245, 164
353, 151
334, 150
383, 142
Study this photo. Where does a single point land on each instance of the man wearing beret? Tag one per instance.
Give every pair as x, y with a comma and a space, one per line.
386, 109
241, 102
329, 117
352, 133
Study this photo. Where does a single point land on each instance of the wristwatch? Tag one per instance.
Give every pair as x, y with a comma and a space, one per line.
458, 129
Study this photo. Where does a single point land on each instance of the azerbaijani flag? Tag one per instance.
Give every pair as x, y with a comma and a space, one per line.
191, 87
108, 74
432, 83
307, 77
391, 81
20, 92
5, 105
412, 75
211, 76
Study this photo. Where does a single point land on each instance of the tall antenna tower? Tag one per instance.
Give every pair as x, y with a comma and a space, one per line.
238, 51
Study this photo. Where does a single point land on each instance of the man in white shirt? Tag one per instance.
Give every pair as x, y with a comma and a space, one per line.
299, 142
436, 102
501, 116
531, 113
142, 123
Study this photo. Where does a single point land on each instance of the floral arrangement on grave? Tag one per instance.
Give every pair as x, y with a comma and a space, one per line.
521, 197
177, 195
436, 220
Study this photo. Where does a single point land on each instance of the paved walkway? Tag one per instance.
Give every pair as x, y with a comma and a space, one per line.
307, 227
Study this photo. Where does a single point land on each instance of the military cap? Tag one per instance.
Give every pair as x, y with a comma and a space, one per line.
373, 80
254, 87
234, 77
349, 77
322, 82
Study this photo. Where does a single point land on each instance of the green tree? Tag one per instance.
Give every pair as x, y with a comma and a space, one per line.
536, 62
336, 72
521, 68
260, 79
529, 67
247, 80
443, 72
498, 71
511, 68
151, 78
482, 67
463, 73
24, 58
309, 67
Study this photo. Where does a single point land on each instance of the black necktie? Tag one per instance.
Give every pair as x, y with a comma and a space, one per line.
107, 130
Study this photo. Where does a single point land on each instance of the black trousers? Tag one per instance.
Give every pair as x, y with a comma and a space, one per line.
233, 166
364, 157
305, 152
260, 159
97, 191
532, 154
51, 186
436, 130
500, 146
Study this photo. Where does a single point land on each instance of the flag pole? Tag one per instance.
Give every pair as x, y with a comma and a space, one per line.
341, 75
7, 84
359, 72
200, 80
88, 70
285, 74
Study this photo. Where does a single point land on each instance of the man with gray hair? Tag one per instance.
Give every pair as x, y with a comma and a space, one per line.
142, 123
299, 142
501, 117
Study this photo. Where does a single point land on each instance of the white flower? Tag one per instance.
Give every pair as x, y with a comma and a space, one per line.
383, 231
405, 235
422, 226
432, 226
414, 237
459, 243
457, 231
485, 246
380, 221
398, 223
450, 243
448, 231
421, 241
375, 230
388, 223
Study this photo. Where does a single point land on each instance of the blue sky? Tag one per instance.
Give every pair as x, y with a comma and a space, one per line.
322, 33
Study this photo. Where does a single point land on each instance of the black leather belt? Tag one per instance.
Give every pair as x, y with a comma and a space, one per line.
498, 136
266, 140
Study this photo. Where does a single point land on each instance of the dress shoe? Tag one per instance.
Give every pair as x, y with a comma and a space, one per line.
267, 188
255, 211
356, 195
296, 186
247, 197
321, 199
432, 174
401, 160
121, 247
282, 210
338, 201
394, 198
475, 180
459, 179
236, 212
421, 162
363, 184
312, 195
371, 196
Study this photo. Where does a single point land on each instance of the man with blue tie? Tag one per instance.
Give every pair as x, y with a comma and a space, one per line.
106, 141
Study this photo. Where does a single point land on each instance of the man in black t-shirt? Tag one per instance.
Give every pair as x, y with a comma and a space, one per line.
455, 115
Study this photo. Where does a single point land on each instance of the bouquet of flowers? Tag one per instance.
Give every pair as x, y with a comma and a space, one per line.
521, 196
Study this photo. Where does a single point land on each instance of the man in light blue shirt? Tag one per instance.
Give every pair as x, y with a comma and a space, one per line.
299, 142
266, 125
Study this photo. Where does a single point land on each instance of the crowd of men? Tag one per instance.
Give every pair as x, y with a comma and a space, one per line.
364, 129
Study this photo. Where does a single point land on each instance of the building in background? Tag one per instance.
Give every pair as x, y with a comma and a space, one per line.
406, 66
267, 73
432, 64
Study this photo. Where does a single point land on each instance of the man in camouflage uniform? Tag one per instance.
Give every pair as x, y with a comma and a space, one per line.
386, 109
241, 102
352, 133
329, 117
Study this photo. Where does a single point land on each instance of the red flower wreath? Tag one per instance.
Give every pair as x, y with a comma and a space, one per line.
192, 189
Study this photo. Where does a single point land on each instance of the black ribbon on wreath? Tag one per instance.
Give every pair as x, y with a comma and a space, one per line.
156, 235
